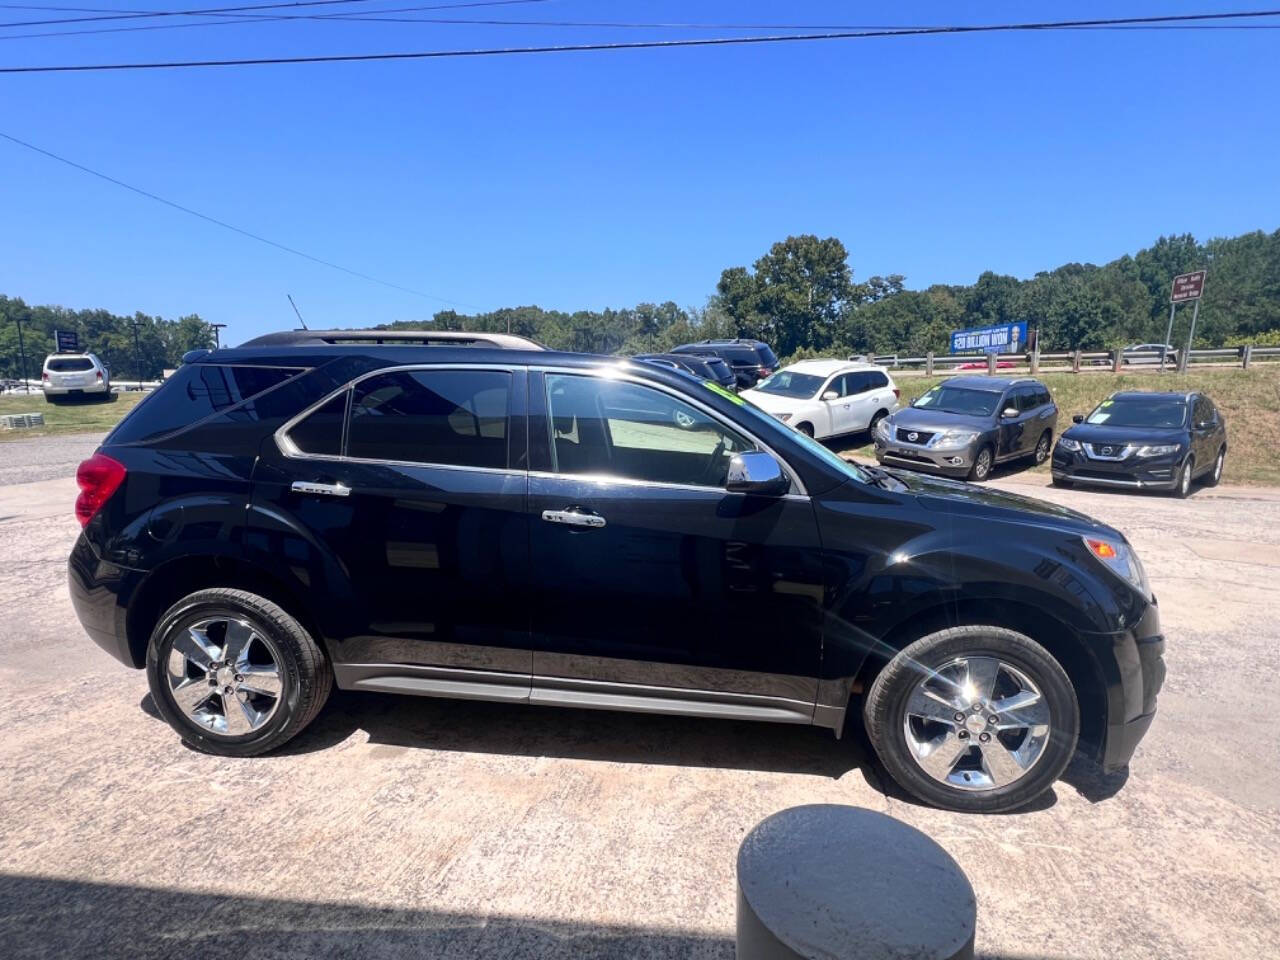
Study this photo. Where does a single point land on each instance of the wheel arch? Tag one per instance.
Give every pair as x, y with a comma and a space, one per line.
1060, 639
181, 576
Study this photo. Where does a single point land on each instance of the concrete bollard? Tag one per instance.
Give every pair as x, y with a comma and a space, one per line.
991, 364
1117, 359
836, 882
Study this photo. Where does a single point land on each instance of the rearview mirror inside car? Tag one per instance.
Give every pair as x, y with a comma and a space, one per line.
831, 395
757, 473
1078, 418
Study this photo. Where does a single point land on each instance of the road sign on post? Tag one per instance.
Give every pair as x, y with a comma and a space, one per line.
66, 341
1188, 286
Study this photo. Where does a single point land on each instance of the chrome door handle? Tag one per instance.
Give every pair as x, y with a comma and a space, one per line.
574, 518
323, 489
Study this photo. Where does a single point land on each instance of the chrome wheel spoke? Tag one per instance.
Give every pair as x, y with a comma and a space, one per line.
1000, 764
926, 704
264, 681
941, 757
235, 647
191, 695
1026, 708
239, 721
196, 646
981, 680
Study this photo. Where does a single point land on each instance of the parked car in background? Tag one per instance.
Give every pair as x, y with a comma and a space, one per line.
982, 365
1144, 440
827, 398
751, 360
706, 366
71, 375
1148, 353
964, 426
561, 529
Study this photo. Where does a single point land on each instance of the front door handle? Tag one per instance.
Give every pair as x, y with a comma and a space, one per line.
323, 489
574, 517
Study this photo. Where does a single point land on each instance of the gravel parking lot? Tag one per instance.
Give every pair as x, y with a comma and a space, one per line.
402, 827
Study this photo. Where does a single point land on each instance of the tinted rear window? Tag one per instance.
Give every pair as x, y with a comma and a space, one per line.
68, 364
320, 432
194, 392
767, 355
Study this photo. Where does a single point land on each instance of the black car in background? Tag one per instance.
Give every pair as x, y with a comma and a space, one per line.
554, 528
1144, 440
751, 360
705, 366
964, 426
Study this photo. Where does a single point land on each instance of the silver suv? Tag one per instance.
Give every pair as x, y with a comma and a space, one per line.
74, 375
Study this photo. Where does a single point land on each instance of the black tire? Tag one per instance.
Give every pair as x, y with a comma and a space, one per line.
884, 713
982, 464
1044, 446
1062, 482
875, 422
805, 428
1182, 489
1214, 476
305, 675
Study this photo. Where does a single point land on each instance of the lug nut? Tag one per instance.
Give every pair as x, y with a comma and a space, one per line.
239, 679
213, 681
977, 708
984, 737
960, 717
963, 734
993, 719
227, 688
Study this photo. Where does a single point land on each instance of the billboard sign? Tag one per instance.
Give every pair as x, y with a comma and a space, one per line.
1004, 338
1188, 286
66, 341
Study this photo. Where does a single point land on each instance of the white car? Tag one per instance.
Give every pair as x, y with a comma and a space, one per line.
827, 398
74, 375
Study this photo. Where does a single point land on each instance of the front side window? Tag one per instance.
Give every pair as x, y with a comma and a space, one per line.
446, 417
625, 430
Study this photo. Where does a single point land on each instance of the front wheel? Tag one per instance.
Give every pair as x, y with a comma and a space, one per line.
1041, 453
981, 468
1183, 488
234, 674
979, 719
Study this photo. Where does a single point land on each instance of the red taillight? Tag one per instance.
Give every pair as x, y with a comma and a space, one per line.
765, 371
99, 374
897, 394
98, 478
44, 376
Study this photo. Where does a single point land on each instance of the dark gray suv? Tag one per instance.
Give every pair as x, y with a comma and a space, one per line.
966, 425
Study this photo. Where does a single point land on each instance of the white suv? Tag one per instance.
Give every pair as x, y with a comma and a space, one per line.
74, 375
826, 398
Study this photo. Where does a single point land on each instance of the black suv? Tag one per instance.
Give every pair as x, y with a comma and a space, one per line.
705, 366
564, 529
752, 360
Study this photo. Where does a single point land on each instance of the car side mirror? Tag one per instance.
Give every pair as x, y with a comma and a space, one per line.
756, 473
831, 395
1009, 412
1077, 418
911, 401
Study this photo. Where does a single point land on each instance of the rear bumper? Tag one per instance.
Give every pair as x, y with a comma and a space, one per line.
94, 389
98, 591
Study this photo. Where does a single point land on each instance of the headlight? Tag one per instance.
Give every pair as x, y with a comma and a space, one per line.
1066, 443
1119, 558
1158, 450
784, 417
953, 439
883, 430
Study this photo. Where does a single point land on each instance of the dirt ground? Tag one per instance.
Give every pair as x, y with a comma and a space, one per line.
402, 827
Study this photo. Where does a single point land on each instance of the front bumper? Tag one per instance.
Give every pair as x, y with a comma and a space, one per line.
1154, 473
1139, 660
949, 463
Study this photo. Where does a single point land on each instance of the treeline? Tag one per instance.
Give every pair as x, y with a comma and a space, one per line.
802, 298
160, 343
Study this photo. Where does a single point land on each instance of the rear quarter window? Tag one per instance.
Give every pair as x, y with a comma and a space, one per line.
197, 391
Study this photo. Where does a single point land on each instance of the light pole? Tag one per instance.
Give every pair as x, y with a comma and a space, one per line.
22, 352
137, 353
217, 340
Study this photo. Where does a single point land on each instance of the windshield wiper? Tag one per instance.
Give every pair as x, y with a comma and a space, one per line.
883, 478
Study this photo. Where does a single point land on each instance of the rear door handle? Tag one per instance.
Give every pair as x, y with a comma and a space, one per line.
574, 517
323, 489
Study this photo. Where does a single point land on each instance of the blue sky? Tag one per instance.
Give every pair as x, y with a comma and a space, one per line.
592, 179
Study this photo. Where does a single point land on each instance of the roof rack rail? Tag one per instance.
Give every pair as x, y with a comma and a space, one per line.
411, 338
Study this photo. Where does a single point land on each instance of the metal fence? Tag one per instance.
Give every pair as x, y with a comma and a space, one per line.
1082, 361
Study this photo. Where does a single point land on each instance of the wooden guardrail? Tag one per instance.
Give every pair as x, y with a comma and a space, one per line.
1081, 361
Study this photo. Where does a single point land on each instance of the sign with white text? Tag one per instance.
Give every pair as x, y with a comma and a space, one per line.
1188, 286
1005, 338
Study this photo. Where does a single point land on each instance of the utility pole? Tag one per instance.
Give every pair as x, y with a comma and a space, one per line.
217, 340
22, 352
137, 353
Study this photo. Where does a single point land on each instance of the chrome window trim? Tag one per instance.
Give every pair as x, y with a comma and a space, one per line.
288, 449
618, 373
614, 372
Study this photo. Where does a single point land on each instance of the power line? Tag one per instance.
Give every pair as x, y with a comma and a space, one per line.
227, 226
211, 11
644, 44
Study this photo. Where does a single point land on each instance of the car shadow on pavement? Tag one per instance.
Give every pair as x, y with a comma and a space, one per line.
45, 918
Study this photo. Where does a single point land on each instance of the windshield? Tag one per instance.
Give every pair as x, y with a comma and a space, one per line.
766, 423
1140, 412
788, 383
961, 400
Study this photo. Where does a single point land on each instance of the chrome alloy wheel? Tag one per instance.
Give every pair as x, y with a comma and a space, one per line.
225, 676
1042, 449
976, 723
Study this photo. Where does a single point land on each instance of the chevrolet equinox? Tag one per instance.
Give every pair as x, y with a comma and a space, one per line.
484, 519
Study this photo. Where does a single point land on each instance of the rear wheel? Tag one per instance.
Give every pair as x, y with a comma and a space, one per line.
979, 719
1214, 476
234, 674
981, 468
